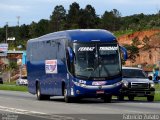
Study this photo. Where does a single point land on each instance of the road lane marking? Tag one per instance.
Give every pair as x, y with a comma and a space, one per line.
35, 113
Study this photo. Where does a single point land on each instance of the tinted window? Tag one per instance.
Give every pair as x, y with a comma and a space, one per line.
133, 73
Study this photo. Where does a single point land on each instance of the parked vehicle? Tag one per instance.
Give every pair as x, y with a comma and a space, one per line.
22, 81
136, 84
1, 80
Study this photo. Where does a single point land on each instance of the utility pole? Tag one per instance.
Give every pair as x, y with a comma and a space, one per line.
18, 18
6, 32
6, 43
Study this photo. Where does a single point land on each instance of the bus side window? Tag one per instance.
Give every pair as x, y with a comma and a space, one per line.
61, 50
31, 52
28, 52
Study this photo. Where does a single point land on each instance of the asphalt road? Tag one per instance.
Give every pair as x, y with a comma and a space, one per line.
26, 107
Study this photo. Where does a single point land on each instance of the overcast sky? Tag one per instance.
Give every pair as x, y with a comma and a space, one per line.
34, 10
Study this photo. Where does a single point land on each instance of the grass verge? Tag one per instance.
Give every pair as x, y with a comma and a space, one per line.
13, 87
125, 32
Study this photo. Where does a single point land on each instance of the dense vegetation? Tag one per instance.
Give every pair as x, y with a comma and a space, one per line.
76, 18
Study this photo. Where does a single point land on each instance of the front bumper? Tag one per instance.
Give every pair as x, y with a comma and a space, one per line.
137, 92
89, 91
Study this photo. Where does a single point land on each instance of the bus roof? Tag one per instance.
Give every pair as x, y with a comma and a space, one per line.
81, 35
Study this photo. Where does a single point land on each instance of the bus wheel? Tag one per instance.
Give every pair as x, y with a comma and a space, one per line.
120, 97
66, 98
131, 98
38, 93
107, 98
150, 98
46, 97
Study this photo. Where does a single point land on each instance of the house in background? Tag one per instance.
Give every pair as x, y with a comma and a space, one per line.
18, 57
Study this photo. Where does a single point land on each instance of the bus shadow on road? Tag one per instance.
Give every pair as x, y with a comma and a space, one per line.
79, 101
99, 101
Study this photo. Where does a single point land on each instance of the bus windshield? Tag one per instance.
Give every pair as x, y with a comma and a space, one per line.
96, 61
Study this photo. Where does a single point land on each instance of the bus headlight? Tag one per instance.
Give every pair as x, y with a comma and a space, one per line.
125, 83
152, 85
72, 91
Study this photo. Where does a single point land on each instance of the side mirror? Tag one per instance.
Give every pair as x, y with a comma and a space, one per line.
150, 77
124, 50
71, 54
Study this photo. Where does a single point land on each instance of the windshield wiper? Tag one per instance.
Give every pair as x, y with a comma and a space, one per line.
100, 61
124, 76
93, 71
81, 76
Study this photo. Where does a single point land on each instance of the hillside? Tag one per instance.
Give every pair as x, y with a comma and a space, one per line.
149, 55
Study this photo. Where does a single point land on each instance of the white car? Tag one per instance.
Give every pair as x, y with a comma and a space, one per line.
22, 81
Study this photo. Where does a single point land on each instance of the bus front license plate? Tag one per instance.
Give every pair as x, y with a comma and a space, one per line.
100, 92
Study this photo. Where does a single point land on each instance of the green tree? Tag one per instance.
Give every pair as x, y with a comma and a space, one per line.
146, 43
2, 34
42, 27
133, 52
23, 36
32, 30
24, 32
136, 42
58, 19
111, 20
107, 20
116, 19
88, 17
10, 68
73, 16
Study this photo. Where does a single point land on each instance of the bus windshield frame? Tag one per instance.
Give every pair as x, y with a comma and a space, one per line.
97, 61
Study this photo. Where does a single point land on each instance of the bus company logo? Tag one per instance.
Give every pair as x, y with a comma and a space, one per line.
108, 48
99, 83
51, 66
86, 49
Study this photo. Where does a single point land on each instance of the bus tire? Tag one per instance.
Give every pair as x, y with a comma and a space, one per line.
38, 93
67, 99
107, 98
46, 97
131, 98
150, 98
120, 97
